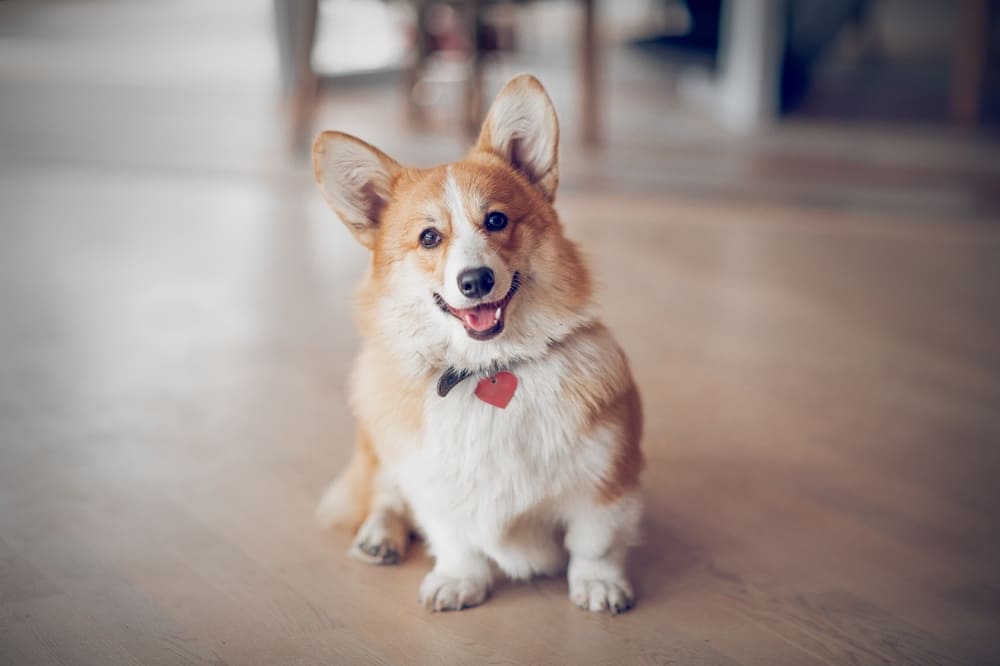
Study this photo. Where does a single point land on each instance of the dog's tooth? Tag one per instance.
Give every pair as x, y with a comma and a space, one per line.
497, 314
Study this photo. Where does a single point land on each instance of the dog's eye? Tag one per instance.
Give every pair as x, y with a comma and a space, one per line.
430, 237
495, 221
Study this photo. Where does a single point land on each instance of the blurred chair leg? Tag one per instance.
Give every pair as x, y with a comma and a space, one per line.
414, 111
474, 81
589, 76
295, 29
971, 52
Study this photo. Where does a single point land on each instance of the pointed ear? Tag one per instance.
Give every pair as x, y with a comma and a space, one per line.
356, 181
522, 128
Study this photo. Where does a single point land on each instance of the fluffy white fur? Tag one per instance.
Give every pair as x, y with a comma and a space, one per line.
500, 486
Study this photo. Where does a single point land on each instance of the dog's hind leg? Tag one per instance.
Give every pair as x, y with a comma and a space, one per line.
385, 534
347, 500
363, 500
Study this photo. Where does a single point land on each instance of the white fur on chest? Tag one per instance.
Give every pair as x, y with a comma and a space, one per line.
486, 466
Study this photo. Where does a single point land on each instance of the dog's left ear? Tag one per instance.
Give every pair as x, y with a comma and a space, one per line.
522, 128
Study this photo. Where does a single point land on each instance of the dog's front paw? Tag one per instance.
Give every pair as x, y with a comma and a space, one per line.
444, 593
598, 595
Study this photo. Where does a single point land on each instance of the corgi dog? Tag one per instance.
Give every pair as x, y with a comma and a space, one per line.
496, 415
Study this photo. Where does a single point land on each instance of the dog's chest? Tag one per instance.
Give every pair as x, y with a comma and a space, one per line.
485, 462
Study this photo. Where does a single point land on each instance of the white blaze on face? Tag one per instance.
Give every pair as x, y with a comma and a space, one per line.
468, 247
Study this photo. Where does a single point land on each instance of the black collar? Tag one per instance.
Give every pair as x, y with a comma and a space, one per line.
450, 379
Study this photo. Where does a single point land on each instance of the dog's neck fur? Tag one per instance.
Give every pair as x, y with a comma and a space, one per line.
435, 347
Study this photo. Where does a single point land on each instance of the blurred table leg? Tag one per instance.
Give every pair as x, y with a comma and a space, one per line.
589, 76
971, 51
752, 41
295, 29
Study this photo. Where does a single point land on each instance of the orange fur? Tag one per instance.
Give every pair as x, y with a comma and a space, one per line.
623, 478
612, 400
354, 486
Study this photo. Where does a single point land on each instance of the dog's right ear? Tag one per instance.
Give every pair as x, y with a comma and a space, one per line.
356, 181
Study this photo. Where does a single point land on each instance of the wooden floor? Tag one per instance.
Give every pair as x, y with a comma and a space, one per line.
816, 332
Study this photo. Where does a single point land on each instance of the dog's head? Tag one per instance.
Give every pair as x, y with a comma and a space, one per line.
470, 266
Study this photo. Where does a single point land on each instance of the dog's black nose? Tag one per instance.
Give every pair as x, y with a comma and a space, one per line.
476, 282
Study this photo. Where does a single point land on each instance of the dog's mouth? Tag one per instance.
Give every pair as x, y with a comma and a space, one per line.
485, 320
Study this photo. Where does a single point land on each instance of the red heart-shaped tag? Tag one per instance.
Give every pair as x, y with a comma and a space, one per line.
498, 389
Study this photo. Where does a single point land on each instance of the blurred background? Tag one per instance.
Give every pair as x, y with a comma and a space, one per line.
882, 104
792, 210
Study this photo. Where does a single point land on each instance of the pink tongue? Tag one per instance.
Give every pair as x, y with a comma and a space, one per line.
480, 318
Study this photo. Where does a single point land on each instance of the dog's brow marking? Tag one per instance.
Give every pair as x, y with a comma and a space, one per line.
468, 246
453, 200
459, 203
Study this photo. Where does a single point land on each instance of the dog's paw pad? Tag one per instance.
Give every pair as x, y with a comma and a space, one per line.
443, 593
598, 596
